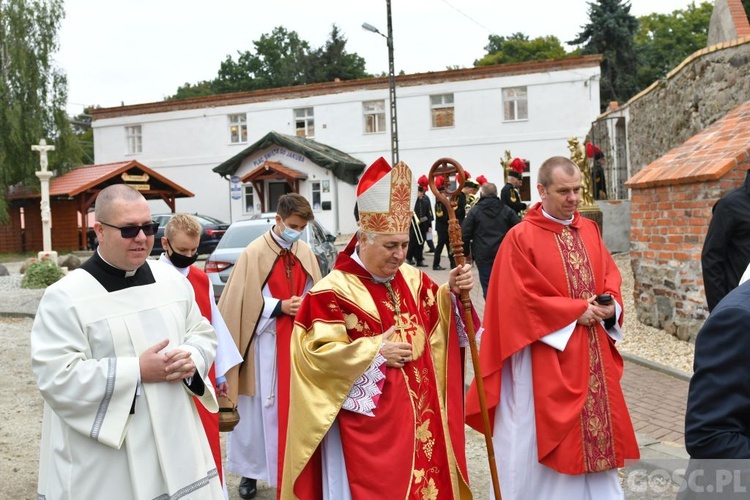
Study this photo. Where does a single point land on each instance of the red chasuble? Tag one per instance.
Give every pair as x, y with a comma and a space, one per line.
542, 274
287, 278
414, 446
199, 281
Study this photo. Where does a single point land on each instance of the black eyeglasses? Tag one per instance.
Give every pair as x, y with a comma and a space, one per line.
132, 231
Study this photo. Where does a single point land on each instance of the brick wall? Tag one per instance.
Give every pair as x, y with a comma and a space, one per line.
10, 234
671, 202
668, 228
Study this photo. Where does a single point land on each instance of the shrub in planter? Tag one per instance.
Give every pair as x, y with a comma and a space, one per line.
41, 274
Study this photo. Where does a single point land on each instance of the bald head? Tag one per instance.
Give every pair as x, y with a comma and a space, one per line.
110, 194
545, 171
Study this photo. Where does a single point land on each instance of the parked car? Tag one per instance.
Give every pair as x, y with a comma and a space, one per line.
220, 263
213, 230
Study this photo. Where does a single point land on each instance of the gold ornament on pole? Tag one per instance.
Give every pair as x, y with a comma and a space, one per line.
587, 208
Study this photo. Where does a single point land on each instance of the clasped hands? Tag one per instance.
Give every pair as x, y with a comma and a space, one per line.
291, 305
596, 312
171, 366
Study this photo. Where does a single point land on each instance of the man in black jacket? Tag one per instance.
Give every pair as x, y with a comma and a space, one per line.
726, 250
441, 227
423, 213
717, 423
484, 229
510, 194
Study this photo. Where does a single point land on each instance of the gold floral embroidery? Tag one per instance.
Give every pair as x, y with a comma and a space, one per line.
430, 492
430, 300
595, 419
418, 476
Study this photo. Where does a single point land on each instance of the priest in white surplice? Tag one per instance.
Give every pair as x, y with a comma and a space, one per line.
118, 348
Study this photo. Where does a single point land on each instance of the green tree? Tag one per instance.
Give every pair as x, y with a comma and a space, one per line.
280, 59
663, 41
33, 93
611, 32
189, 90
746, 4
85, 134
519, 48
331, 61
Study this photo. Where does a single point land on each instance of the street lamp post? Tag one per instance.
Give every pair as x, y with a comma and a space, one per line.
392, 81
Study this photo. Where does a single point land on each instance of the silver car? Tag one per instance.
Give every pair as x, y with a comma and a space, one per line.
220, 263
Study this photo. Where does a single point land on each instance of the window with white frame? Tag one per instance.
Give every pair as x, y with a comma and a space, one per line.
304, 122
374, 115
315, 195
238, 128
441, 107
249, 198
133, 134
515, 104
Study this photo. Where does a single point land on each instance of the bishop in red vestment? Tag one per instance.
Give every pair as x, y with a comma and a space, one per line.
549, 363
376, 397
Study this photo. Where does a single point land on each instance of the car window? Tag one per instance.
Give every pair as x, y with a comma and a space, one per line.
318, 234
162, 219
241, 236
205, 219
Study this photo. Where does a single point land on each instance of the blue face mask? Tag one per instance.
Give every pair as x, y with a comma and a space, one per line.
290, 235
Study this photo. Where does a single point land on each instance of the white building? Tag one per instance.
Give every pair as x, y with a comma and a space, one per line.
470, 115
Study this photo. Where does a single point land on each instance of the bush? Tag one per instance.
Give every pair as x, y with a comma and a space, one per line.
41, 274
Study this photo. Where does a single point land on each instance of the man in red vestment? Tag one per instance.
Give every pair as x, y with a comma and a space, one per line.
259, 302
550, 368
376, 398
181, 238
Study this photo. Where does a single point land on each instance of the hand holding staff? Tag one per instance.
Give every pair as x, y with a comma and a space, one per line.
445, 168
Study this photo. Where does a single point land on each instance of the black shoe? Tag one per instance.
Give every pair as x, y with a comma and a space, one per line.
421, 264
430, 251
248, 488
410, 262
438, 268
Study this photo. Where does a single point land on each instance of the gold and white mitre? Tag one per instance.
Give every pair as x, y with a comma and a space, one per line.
385, 198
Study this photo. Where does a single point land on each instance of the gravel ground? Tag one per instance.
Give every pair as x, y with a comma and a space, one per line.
21, 405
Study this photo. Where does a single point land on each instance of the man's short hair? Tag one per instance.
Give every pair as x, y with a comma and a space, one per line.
550, 164
184, 223
103, 203
489, 189
294, 204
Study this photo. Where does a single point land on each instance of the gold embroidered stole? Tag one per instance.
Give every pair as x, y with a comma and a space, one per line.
596, 416
430, 471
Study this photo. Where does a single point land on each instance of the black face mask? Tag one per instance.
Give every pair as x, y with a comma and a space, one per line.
179, 260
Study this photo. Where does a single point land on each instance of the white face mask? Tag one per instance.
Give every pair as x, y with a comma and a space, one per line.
290, 235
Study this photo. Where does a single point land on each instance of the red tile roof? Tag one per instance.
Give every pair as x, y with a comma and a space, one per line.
288, 172
708, 155
739, 17
83, 178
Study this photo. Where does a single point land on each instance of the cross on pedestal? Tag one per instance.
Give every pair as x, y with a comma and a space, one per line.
44, 176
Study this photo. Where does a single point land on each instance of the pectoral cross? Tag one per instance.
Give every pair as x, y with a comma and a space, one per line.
288, 263
402, 326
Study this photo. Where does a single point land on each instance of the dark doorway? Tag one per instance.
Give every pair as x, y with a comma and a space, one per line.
275, 191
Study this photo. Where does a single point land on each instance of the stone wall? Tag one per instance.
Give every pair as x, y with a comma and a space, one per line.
705, 87
665, 251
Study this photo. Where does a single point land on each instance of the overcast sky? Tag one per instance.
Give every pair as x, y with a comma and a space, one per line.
138, 51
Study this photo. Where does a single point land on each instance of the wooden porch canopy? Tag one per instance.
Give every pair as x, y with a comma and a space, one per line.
83, 185
276, 171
